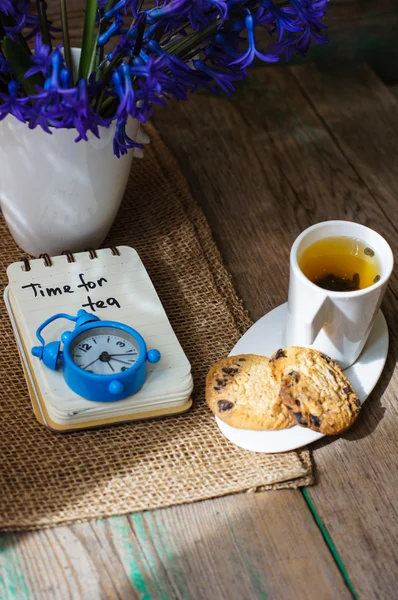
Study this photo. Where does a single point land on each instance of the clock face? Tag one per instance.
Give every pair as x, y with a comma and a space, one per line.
105, 351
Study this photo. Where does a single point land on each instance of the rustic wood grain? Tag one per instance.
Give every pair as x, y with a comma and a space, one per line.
361, 30
394, 90
357, 30
246, 546
263, 167
282, 173
295, 147
369, 452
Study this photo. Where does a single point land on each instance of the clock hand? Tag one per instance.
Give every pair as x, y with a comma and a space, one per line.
118, 360
109, 364
89, 364
124, 354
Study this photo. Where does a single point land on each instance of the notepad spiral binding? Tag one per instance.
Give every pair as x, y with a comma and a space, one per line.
69, 257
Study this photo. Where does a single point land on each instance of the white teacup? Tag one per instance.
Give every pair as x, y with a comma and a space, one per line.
336, 323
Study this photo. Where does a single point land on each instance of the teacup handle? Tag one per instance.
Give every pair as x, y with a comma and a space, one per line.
303, 332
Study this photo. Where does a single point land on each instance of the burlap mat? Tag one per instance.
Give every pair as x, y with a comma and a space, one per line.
47, 479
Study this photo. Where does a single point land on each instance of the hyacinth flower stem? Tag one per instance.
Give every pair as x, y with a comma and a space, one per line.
103, 108
176, 31
2, 32
157, 36
3, 81
101, 49
24, 43
140, 37
65, 34
108, 107
195, 40
42, 13
182, 47
106, 77
87, 57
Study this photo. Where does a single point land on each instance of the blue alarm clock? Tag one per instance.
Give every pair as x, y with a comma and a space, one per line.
101, 360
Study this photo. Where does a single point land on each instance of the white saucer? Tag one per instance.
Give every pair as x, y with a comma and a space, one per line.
266, 336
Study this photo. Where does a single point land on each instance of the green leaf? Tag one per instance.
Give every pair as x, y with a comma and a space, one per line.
87, 57
20, 62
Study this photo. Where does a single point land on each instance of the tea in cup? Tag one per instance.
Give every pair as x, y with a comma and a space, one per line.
339, 273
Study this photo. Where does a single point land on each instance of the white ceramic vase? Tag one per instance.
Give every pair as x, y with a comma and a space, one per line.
56, 194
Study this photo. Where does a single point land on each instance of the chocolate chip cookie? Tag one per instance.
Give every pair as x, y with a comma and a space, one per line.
242, 391
315, 390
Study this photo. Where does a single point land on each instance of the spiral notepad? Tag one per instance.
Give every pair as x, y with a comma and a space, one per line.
114, 285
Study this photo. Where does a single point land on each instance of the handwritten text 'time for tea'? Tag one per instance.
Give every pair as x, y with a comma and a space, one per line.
39, 291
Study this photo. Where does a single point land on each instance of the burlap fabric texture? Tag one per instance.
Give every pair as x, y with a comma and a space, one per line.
48, 479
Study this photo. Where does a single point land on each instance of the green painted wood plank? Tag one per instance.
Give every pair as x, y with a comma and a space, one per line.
13, 585
330, 544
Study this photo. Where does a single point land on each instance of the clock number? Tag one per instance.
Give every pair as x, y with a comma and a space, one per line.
121, 344
85, 347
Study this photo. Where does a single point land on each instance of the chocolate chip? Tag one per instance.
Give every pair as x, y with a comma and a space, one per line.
241, 359
295, 375
327, 358
279, 354
357, 402
315, 420
221, 382
299, 417
346, 389
369, 252
229, 370
298, 402
224, 405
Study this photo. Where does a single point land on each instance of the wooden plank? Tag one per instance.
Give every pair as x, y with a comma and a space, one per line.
296, 168
340, 96
370, 451
283, 172
269, 545
394, 90
357, 30
361, 30
246, 546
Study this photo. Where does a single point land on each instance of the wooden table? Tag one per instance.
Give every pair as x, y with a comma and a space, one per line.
293, 147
